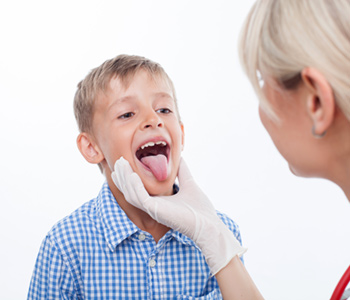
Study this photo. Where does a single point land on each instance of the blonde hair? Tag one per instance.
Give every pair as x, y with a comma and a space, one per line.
282, 37
124, 67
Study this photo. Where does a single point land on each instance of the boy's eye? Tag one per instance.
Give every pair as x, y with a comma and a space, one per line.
126, 115
164, 110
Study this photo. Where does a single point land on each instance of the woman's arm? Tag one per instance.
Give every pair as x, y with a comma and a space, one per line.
235, 282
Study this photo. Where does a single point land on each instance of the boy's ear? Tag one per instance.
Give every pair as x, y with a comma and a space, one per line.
183, 136
320, 100
89, 149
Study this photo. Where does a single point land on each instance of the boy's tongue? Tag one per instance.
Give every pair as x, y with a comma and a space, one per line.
158, 165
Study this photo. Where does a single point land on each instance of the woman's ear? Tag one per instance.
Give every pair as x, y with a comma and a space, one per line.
320, 100
89, 149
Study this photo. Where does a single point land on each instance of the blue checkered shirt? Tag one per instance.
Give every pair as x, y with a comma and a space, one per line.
98, 253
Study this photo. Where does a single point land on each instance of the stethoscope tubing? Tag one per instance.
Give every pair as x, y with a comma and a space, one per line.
342, 284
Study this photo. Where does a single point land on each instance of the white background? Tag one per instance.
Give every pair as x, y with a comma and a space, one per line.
297, 230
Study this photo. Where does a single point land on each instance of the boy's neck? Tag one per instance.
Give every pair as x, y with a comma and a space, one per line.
140, 218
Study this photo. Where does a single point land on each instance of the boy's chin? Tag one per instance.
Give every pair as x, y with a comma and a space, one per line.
160, 188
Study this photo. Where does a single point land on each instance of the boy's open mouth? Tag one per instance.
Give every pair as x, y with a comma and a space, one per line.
154, 155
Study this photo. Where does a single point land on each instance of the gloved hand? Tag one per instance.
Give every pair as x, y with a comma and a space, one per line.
189, 212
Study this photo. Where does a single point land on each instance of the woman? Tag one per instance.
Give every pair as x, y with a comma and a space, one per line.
297, 57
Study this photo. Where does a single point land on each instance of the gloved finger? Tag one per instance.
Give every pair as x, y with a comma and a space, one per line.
129, 192
138, 188
184, 174
139, 197
121, 186
157, 207
122, 171
123, 165
116, 181
131, 184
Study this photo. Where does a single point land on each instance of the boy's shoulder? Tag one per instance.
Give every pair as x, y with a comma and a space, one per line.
75, 224
232, 225
99, 221
84, 221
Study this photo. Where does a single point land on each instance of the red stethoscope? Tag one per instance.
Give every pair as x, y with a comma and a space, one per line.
338, 293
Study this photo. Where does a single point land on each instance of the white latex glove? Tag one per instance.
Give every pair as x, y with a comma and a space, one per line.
189, 212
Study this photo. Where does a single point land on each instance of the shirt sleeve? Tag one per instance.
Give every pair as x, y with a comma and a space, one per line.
51, 277
233, 227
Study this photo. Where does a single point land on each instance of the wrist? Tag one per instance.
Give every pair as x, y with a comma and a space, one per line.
219, 247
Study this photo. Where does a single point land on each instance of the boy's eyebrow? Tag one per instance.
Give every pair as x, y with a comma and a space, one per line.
164, 95
124, 99
120, 100
131, 97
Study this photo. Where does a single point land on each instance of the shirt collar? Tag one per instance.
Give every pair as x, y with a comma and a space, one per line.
117, 226
184, 239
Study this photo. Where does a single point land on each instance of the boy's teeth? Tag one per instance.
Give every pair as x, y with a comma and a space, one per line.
147, 145
151, 144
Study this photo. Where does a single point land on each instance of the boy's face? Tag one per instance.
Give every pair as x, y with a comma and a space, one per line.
140, 123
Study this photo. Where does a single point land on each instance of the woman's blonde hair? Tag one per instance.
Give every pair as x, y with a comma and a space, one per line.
282, 37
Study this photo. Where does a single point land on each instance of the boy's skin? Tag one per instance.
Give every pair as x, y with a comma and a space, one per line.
124, 119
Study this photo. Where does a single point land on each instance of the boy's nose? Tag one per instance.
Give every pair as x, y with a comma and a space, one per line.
152, 120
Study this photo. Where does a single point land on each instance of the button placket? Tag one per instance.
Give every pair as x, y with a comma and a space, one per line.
142, 236
152, 262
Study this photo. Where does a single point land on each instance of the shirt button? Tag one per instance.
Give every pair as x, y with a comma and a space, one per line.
152, 263
142, 237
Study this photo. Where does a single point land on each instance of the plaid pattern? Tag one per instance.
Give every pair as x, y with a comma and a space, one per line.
98, 253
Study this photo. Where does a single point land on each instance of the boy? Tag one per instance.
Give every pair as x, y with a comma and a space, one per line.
109, 249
